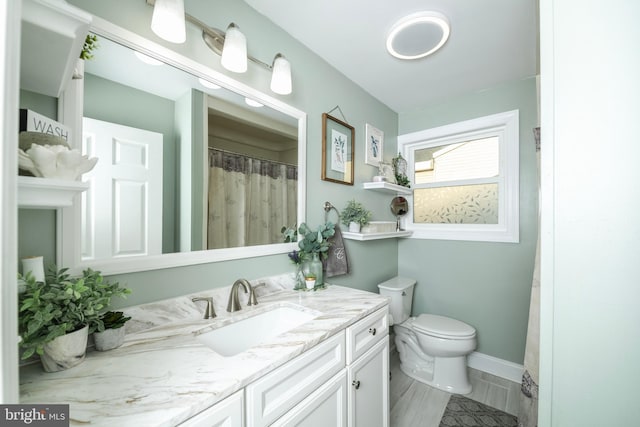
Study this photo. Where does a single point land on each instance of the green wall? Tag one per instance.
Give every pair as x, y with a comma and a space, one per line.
318, 88
484, 284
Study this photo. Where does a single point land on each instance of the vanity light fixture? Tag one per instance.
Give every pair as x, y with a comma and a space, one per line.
281, 75
234, 51
168, 20
232, 48
418, 35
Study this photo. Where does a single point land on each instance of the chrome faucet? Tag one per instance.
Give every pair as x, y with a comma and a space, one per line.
209, 312
234, 302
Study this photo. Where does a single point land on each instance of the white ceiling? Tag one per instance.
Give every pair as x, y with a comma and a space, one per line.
491, 41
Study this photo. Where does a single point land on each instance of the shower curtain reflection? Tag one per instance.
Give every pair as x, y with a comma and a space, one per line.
250, 200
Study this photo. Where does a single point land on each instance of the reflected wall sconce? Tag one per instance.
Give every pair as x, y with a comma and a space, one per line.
230, 45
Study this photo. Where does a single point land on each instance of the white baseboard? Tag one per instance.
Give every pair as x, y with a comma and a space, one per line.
498, 367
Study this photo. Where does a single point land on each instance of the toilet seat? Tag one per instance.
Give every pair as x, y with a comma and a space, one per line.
443, 327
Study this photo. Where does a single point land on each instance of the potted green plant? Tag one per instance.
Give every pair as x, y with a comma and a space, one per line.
354, 216
57, 315
111, 334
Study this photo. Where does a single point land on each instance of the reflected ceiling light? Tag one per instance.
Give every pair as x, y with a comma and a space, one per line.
418, 35
234, 52
147, 59
253, 103
281, 75
208, 84
168, 20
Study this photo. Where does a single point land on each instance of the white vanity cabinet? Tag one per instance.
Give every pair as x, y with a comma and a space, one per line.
341, 382
228, 413
368, 371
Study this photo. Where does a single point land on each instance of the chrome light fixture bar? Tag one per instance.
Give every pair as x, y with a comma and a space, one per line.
231, 46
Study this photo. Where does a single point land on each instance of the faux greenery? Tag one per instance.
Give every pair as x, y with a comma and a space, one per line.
113, 320
315, 241
355, 212
62, 304
290, 235
312, 241
90, 44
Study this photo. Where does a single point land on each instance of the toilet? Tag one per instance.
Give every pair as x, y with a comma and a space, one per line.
433, 349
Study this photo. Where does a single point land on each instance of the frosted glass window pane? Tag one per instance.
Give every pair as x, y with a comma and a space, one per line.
464, 204
472, 159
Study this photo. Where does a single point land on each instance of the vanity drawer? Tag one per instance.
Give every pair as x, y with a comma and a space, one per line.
366, 333
273, 395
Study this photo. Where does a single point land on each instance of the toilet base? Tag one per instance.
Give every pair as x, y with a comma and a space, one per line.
444, 373
458, 384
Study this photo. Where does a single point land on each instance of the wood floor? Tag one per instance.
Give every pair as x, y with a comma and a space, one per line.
414, 404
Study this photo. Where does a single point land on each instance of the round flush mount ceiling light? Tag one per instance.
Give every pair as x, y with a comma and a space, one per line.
418, 35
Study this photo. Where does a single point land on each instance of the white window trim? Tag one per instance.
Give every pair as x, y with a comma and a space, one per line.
506, 127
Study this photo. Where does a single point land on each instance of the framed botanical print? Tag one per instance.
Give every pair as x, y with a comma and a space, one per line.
374, 139
337, 150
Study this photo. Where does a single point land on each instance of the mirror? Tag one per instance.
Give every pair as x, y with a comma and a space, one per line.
399, 207
207, 154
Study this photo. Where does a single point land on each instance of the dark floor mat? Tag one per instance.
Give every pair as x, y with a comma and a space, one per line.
464, 412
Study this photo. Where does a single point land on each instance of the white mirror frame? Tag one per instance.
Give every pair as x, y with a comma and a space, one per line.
70, 107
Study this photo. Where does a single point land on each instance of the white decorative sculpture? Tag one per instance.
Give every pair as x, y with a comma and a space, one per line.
55, 161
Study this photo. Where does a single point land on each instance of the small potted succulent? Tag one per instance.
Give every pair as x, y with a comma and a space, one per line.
354, 216
111, 334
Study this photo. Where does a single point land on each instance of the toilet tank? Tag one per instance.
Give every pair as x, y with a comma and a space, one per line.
400, 289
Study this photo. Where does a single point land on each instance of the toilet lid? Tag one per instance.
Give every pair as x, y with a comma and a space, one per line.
443, 327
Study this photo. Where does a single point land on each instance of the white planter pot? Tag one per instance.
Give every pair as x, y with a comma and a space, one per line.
66, 351
108, 339
354, 227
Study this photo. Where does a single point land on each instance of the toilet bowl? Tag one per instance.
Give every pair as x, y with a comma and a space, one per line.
433, 349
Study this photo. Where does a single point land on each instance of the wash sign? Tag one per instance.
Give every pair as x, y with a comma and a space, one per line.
33, 122
34, 415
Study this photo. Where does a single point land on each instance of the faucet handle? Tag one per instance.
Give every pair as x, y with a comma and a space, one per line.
209, 312
253, 298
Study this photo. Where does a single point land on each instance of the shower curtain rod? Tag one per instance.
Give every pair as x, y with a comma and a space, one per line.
252, 157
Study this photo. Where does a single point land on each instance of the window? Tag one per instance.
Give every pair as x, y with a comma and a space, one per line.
465, 179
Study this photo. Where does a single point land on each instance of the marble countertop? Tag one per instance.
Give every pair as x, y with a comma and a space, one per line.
162, 375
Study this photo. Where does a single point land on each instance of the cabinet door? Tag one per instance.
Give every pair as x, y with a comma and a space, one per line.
324, 407
271, 396
227, 413
368, 383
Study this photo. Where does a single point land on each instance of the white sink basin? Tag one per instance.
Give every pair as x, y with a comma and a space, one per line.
236, 337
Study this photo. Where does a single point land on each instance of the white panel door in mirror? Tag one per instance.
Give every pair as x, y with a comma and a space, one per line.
126, 219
